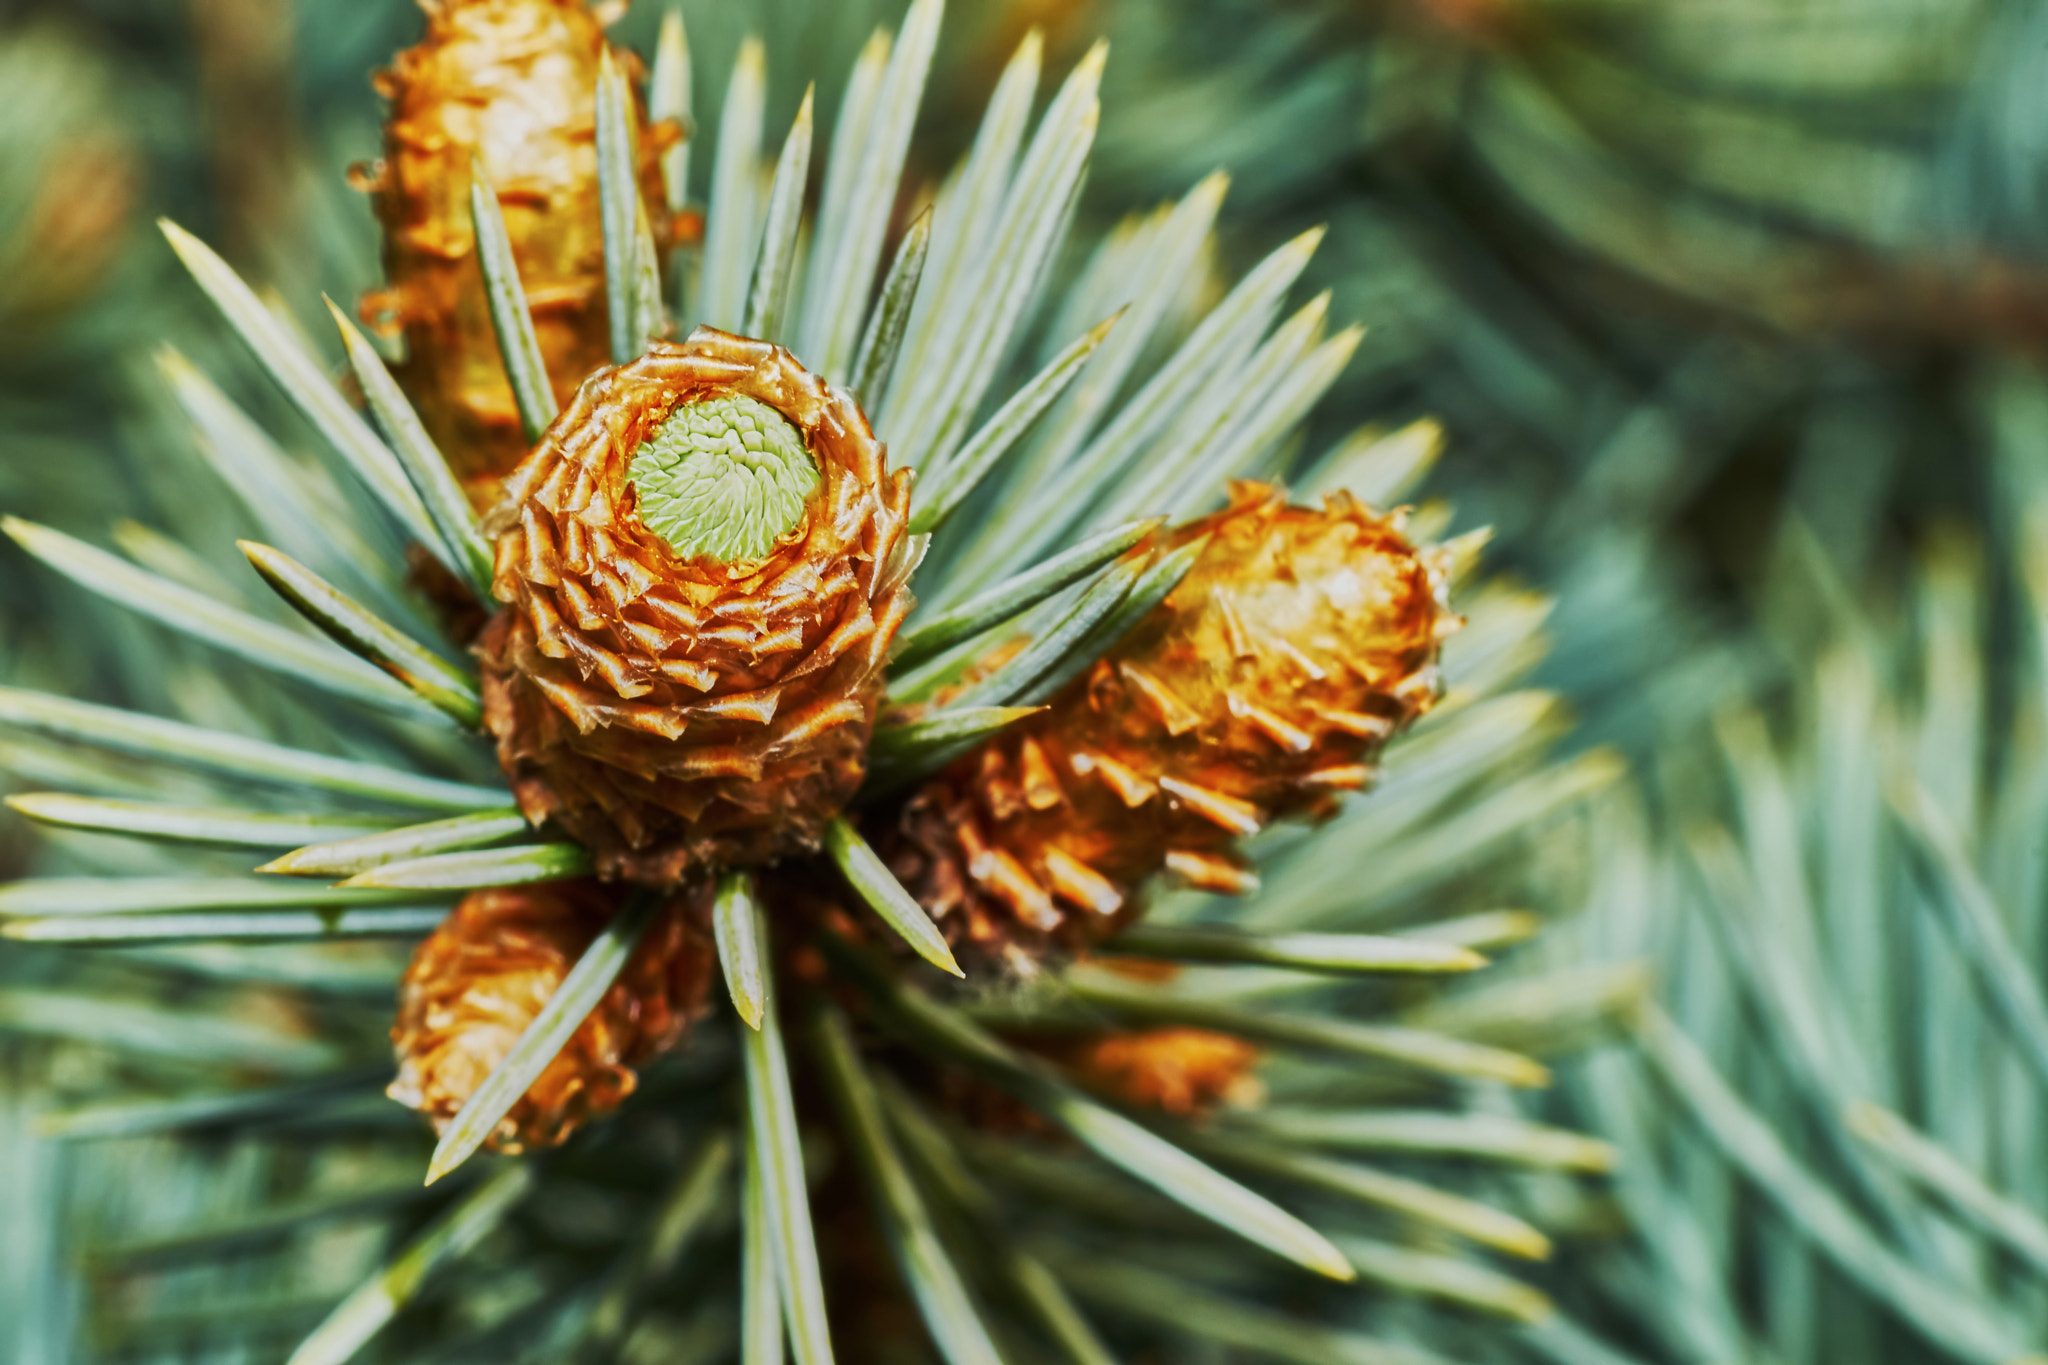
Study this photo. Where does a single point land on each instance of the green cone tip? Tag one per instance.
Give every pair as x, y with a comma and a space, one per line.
721, 479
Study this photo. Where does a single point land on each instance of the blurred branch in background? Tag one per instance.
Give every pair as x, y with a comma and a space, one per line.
1834, 1118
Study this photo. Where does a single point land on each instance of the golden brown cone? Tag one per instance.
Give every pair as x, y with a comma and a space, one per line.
1184, 1071
1264, 685
476, 983
670, 713
512, 83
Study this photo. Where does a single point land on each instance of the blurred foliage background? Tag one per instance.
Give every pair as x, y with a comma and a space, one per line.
1732, 315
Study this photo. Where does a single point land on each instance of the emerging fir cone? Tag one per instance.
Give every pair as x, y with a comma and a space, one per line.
480, 979
706, 562
513, 84
1266, 683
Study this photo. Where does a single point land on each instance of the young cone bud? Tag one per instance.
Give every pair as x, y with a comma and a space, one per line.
1184, 1071
511, 83
706, 562
479, 980
1264, 685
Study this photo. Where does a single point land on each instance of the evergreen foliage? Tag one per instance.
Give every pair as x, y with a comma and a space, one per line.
1725, 320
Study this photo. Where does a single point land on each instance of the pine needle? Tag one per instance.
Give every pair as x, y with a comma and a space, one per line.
218, 826
302, 381
226, 628
478, 869
1013, 597
883, 339
1407, 1047
733, 224
949, 1311
871, 879
518, 345
1118, 1140
899, 755
1413, 1199
41, 896
956, 479
212, 751
423, 461
773, 1140
734, 920
1434, 1133
1192, 1311
760, 1296
668, 98
1960, 1324
775, 258
1217, 347
1450, 1278
438, 683
852, 228
246, 927
622, 213
1066, 640
377, 1300
1929, 1164
346, 857
1152, 585
1336, 953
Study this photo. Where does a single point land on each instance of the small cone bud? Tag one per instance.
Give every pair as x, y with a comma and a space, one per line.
1185, 1071
1266, 683
476, 983
705, 562
512, 84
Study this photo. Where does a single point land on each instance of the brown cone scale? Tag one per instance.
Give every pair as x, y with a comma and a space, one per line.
513, 84
476, 983
673, 713
1265, 684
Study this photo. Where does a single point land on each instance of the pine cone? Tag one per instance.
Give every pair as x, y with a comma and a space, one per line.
1184, 1071
512, 83
1266, 683
706, 563
479, 980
